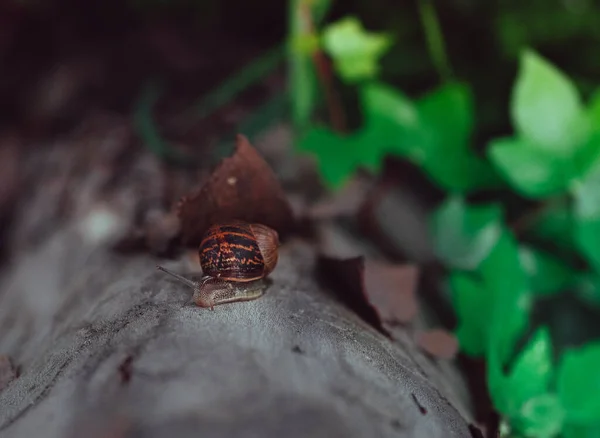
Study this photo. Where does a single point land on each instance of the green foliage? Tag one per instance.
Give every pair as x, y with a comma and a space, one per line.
496, 271
578, 384
355, 52
546, 108
464, 236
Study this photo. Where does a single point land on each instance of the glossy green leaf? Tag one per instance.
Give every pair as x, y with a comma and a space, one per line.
465, 235
438, 125
355, 51
460, 171
472, 304
528, 378
392, 121
542, 416
582, 431
449, 115
508, 282
532, 172
546, 107
532, 371
578, 383
587, 217
336, 156
447, 120
593, 110
547, 274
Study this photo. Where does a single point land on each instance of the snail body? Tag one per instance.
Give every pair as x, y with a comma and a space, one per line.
235, 258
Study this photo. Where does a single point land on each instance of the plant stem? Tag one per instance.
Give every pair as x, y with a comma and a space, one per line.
527, 220
435, 39
337, 116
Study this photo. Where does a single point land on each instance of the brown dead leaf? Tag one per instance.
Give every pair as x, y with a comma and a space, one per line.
346, 277
438, 343
391, 290
243, 187
383, 295
7, 371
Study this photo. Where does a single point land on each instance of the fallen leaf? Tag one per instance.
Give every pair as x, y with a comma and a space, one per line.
346, 278
391, 290
438, 343
243, 187
383, 295
7, 371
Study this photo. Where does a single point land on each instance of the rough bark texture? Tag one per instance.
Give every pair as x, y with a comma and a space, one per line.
109, 347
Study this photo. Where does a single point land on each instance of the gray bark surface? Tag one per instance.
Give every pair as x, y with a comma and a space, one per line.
110, 347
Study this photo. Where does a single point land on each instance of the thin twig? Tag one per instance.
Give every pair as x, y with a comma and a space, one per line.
337, 116
531, 217
435, 39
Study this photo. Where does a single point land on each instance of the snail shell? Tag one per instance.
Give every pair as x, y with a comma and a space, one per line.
239, 251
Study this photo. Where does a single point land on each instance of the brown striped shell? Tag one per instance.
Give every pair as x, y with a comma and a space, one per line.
239, 251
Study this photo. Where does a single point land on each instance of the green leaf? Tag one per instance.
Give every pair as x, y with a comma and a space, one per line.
578, 431
578, 384
392, 121
547, 274
460, 172
355, 52
508, 283
542, 416
336, 155
529, 378
546, 107
464, 235
593, 110
531, 372
472, 303
438, 125
447, 120
449, 115
532, 172
587, 217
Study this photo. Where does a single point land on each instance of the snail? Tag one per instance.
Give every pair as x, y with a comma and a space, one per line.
235, 258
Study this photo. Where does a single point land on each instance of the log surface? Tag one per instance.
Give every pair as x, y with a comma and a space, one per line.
110, 347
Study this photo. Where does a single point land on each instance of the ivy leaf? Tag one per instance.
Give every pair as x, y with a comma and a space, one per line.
593, 110
547, 275
392, 121
355, 52
578, 384
449, 114
335, 155
587, 217
447, 120
438, 125
578, 431
465, 235
532, 172
529, 378
542, 416
546, 107
508, 283
472, 303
